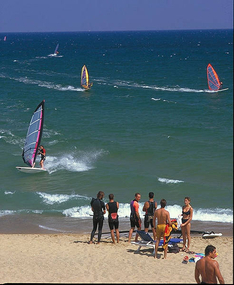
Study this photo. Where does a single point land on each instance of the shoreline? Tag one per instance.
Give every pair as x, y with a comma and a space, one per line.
36, 224
68, 258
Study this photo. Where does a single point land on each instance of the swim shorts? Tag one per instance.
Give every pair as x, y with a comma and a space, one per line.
160, 230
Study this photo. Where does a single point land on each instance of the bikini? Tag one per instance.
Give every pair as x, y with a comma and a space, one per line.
187, 214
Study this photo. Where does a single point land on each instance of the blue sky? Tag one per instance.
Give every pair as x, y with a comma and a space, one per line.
114, 15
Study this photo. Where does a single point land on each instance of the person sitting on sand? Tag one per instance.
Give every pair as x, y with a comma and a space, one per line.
163, 218
208, 268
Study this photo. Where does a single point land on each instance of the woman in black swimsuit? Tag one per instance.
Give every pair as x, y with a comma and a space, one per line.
187, 215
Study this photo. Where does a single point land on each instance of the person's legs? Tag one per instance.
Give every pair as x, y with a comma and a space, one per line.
130, 234
113, 236
165, 251
117, 235
100, 225
93, 231
188, 234
156, 247
183, 230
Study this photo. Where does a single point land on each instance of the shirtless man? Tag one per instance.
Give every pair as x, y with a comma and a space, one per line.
163, 217
208, 268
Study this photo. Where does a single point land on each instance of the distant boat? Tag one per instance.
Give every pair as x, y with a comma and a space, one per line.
5, 38
85, 78
33, 139
213, 79
55, 51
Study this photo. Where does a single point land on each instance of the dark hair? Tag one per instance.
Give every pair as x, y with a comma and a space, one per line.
188, 198
163, 203
151, 195
100, 194
111, 196
209, 248
137, 194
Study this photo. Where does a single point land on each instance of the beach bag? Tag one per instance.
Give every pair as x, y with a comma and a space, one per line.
174, 248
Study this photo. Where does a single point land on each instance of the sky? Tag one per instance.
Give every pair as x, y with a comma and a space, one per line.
114, 15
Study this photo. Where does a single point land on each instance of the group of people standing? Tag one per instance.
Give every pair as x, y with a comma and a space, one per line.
152, 214
207, 267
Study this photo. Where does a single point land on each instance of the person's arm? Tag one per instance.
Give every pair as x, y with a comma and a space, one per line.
169, 219
218, 273
146, 206
156, 205
107, 207
117, 203
197, 274
154, 219
136, 207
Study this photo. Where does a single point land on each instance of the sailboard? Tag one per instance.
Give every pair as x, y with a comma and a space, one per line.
214, 83
85, 78
211, 234
56, 50
33, 139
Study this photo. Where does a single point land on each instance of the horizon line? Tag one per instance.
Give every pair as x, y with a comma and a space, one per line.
111, 31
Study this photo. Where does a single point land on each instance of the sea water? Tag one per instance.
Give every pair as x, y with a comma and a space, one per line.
149, 123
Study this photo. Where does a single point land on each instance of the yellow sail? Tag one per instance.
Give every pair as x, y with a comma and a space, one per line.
85, 78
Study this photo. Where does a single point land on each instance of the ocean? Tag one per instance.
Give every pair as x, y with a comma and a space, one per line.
149, 123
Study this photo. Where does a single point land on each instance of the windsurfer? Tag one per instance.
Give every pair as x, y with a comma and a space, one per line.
42, 152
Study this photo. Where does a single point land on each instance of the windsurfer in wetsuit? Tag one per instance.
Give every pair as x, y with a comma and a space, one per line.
113, 218
135, 219
149, 209
99, 209
42, 152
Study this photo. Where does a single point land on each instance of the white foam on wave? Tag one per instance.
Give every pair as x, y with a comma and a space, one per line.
73, 162
48, 85
10, 138
161, 88
167, 181
203, 215
51, 229
59, 198
159, 99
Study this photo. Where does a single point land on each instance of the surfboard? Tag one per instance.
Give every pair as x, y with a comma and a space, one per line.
211, 235
222, 89
30, 169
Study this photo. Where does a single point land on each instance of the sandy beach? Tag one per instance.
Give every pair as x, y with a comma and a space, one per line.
68, 258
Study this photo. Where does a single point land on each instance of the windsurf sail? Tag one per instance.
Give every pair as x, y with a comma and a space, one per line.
34, 134
212, 78
56, 49
85, 78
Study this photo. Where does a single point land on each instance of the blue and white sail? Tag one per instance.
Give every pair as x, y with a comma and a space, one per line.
34, 134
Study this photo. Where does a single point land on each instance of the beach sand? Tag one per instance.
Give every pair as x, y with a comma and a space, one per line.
68, 258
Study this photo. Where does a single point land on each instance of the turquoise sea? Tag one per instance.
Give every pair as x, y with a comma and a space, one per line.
149, 123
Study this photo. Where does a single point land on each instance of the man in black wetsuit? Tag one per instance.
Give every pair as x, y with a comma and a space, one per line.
99, 210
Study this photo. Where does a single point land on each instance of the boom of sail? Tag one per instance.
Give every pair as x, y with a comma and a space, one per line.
34, 134
85, 78
212, 78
